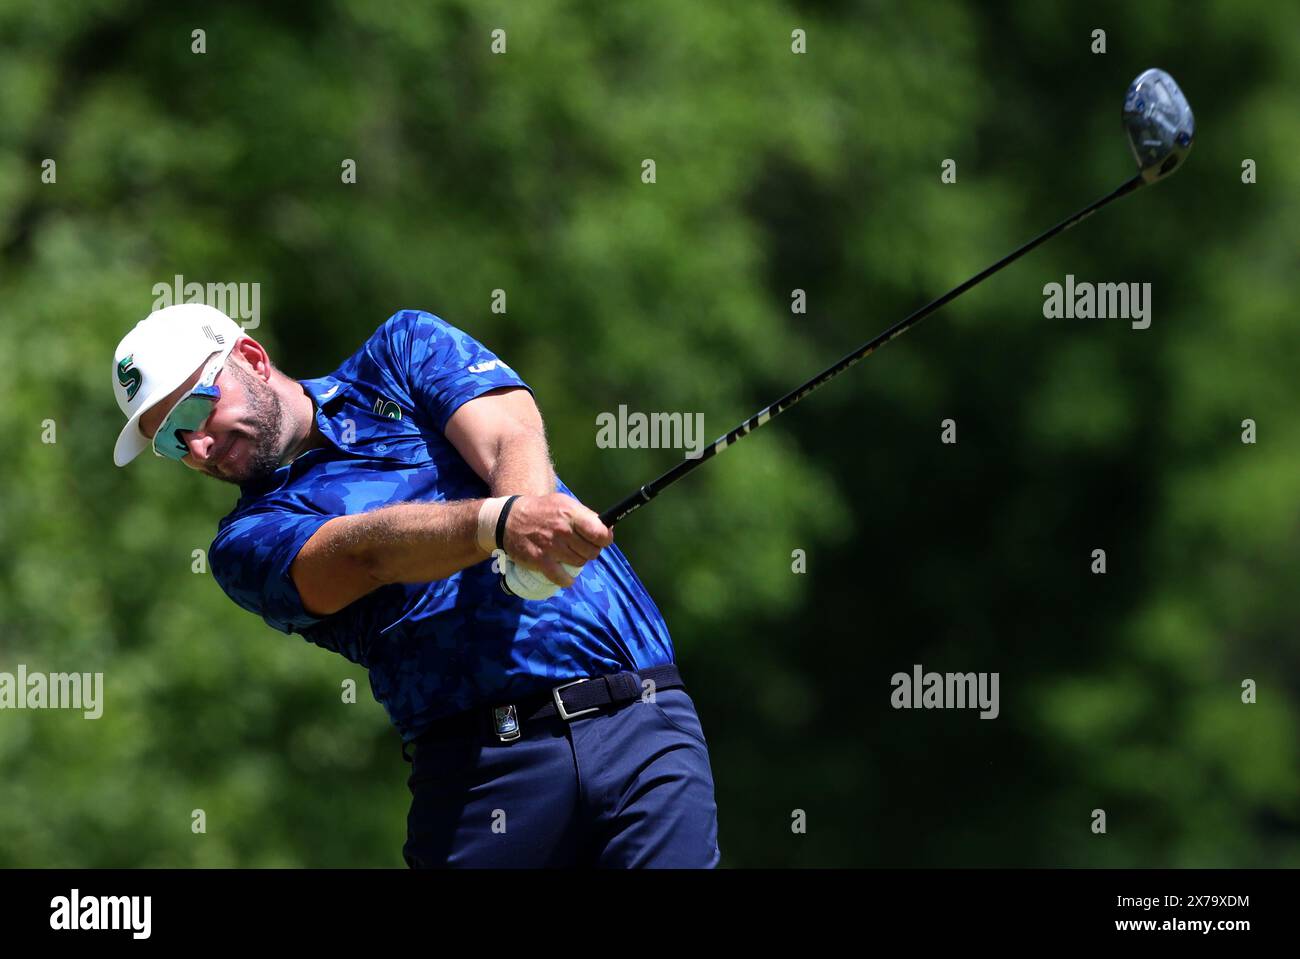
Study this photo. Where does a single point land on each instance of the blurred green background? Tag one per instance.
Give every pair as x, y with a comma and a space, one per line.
775, 171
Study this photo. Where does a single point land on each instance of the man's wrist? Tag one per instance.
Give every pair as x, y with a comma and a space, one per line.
488, 515
502, 518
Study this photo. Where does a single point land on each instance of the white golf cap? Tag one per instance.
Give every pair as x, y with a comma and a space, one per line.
162, 352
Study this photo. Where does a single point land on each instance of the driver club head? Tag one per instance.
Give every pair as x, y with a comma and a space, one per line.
1159, 124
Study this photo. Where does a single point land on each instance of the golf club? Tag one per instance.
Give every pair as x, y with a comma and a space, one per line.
1160, 128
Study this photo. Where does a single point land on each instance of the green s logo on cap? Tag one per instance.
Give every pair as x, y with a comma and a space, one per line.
128, 377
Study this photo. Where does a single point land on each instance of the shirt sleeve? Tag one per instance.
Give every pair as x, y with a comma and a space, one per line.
250, 560
444, 367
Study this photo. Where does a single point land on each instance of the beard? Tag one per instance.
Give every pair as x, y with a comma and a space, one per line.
267, 419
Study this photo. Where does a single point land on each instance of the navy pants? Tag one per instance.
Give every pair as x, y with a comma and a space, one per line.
628, 786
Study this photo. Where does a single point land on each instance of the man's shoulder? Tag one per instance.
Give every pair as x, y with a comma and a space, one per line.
409, 338
418, 336
401, 342
414, 319
413, 324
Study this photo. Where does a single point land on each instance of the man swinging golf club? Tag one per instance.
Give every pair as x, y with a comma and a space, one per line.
365, 526
544, 733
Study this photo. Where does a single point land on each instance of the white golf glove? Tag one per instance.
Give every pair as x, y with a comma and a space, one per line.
527, 583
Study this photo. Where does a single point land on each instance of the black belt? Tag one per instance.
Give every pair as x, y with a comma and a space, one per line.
568, 701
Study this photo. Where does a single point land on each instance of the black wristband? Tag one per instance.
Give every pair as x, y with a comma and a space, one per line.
501, 521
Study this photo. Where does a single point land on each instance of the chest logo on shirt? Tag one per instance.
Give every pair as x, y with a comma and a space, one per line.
386, 407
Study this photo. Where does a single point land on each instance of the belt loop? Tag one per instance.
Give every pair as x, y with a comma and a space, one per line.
631, 683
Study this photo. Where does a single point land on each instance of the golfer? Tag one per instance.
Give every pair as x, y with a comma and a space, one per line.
546, 733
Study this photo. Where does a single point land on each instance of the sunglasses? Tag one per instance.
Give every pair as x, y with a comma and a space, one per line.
189, 414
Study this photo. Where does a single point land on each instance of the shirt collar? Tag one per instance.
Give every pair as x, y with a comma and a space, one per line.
324, 389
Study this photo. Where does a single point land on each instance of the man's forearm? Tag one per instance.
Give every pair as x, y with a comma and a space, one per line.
413, 542
420, 542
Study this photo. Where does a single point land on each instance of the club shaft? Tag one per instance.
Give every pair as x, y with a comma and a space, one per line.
649, 491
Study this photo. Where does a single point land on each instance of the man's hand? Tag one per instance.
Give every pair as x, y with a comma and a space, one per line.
544, 531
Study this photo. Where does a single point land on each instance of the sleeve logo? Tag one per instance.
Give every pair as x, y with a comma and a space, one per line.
487, 367
129, 377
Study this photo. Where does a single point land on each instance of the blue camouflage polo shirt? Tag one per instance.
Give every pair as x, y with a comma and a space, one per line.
441, 647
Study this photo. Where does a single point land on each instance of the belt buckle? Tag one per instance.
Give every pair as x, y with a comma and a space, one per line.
559, 703
505, 723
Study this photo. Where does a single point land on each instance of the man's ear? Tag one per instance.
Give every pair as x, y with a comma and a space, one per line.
254, 355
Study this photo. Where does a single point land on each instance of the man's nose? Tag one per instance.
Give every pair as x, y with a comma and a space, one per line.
200, 444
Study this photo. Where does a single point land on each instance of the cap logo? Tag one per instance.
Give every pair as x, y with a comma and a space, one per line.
220, 340
129, 377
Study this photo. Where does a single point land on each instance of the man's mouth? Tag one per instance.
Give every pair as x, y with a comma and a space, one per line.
220, 460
